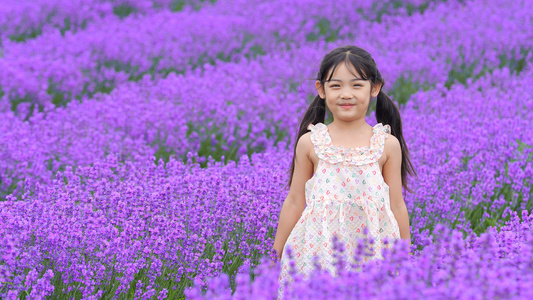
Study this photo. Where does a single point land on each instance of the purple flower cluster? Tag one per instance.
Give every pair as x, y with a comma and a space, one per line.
22, 20
142, 118
144, 148
112, 221
496, 265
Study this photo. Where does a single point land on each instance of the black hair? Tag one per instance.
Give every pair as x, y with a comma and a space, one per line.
386, 110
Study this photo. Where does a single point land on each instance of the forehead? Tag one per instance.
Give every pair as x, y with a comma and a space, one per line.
343, 69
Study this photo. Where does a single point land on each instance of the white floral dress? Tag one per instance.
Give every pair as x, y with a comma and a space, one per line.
346, 194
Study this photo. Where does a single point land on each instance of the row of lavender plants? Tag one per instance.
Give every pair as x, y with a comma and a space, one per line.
55, 69
100, 219
20, 21
228, 106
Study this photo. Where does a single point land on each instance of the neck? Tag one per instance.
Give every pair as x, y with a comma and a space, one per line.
358, 125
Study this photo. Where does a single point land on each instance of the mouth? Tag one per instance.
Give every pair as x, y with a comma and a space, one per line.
346, 106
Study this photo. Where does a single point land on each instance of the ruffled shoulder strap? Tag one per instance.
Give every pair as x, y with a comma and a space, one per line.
358, 156
319, 136
381, 132
382, 129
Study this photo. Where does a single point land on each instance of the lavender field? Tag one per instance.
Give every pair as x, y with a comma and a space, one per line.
145, 145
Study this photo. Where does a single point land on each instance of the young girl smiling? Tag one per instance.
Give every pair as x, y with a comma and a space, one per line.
347, 176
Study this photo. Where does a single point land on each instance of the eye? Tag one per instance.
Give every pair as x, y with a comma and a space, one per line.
357, 85
334, 85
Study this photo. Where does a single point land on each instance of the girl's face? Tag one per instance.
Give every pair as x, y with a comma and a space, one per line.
347, 96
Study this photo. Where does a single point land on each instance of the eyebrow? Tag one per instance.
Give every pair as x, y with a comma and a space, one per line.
354, 79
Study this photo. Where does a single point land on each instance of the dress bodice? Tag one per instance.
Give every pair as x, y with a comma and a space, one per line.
355, 156
347, 175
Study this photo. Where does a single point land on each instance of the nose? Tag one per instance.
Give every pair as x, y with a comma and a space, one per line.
346, 94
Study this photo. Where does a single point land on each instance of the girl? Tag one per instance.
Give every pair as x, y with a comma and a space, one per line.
346, 175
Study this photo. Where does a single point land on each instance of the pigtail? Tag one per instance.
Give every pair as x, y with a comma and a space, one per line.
316, 113
388, 113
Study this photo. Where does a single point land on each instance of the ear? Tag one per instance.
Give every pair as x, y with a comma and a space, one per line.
376, 89
320, 89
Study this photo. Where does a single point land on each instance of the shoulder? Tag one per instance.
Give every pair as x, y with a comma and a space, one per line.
392, 146
304, 144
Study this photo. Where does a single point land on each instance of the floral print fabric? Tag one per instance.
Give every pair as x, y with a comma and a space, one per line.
346, 194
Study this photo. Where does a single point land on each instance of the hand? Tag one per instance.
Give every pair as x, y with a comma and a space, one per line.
272, 264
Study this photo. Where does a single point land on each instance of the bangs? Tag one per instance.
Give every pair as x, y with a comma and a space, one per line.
351, 62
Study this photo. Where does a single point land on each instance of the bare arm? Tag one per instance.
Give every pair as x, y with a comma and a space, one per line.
294, 204
393, 177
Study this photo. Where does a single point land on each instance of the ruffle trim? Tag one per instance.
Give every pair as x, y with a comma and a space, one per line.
325, 150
